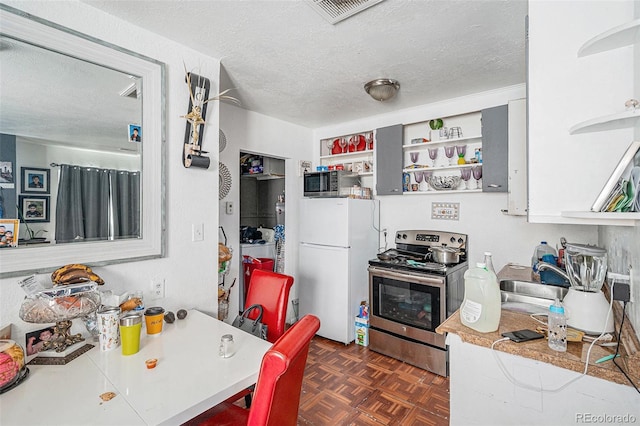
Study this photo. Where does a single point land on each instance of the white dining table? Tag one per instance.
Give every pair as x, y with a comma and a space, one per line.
190, 377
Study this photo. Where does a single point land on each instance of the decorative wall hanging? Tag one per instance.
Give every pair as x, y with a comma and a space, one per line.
198, 99
198, 94
225, 181
222, 144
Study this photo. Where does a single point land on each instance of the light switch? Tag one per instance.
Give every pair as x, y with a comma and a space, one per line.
197, 232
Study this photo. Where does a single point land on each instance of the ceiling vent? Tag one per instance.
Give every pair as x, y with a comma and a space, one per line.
335, 11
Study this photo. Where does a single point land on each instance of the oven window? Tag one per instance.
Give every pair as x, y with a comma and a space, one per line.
412, 304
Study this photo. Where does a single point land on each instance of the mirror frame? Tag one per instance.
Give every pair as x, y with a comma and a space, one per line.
16, 261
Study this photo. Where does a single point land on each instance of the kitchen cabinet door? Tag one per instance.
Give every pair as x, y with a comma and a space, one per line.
388, 167
495, 149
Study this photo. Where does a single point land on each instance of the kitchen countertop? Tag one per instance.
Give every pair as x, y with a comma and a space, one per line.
574, 359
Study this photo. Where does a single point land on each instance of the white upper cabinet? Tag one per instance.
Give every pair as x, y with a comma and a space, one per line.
578, 125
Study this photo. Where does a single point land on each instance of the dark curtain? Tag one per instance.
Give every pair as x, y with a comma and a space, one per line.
125, 197
97, 204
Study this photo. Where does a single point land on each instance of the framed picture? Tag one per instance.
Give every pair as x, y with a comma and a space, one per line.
6, 175
9, 232
35, 181
135, 133
34, 208
36, 340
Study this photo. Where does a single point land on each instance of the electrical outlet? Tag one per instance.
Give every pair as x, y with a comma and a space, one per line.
197, 232
228, 207
157, 288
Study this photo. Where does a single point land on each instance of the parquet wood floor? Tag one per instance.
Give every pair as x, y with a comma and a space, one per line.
353, 385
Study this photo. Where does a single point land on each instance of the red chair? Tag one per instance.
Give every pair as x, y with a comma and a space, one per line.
277, 396
271, 290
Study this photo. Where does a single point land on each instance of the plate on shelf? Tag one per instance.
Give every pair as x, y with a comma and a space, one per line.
336, 147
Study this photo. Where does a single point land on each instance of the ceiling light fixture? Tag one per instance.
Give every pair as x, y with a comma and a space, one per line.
382, 89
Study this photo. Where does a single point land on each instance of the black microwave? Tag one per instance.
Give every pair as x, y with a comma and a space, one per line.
331, 183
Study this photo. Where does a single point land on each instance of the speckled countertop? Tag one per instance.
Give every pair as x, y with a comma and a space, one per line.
574, 359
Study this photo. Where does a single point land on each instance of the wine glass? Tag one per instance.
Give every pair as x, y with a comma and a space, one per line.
414, 157
330, 144
427, 175
433, 154
370, 140
418, 177
343, 144
477, 175
465, 174
448, 151
462, 151
353, 141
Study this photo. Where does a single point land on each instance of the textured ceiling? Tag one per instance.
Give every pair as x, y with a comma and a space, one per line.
287, 62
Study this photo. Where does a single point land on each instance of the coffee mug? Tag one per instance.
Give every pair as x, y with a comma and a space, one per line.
153, 318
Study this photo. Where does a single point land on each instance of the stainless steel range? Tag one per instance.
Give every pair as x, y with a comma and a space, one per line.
411, 295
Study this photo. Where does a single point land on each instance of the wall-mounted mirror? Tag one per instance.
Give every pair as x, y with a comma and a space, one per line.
73, 102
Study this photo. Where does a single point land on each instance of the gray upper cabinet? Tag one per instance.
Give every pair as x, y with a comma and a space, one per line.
495, 149
388, 152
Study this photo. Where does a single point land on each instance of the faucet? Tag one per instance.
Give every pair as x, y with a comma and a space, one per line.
544, 265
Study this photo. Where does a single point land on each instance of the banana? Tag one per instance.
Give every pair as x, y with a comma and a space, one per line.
55, 276
75, 273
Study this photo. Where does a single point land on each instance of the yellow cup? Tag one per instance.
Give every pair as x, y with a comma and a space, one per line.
130, 326
154, 317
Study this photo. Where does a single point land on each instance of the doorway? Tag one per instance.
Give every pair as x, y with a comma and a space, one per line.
262, 207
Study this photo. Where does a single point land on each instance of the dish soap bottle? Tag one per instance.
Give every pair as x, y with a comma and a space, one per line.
481, 307
557, 325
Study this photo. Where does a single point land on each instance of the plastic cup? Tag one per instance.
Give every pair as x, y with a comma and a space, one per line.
130, 326
154, 318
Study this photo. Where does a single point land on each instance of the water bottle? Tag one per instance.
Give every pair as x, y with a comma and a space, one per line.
540, 250
488, 261
557, 324
482, 304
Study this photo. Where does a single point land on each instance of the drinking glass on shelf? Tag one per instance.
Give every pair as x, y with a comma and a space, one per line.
370, 141
414, 157
433, 154
449, 151
443, 133
353, 142
330, 144
465, 174
477, 175
418, 176
343, 144
462, 151
455, 133
427, 176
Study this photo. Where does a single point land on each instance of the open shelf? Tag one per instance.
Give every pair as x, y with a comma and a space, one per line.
423, 145
604, 218
623, 35
348, 154
434, 192
620, 120
439, 168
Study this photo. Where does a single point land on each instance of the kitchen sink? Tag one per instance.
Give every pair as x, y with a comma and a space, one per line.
529, 297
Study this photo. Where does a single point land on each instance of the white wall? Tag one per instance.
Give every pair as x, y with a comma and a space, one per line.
252, 132
190, 268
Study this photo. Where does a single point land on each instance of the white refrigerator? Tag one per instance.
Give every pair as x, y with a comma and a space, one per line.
338, 237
